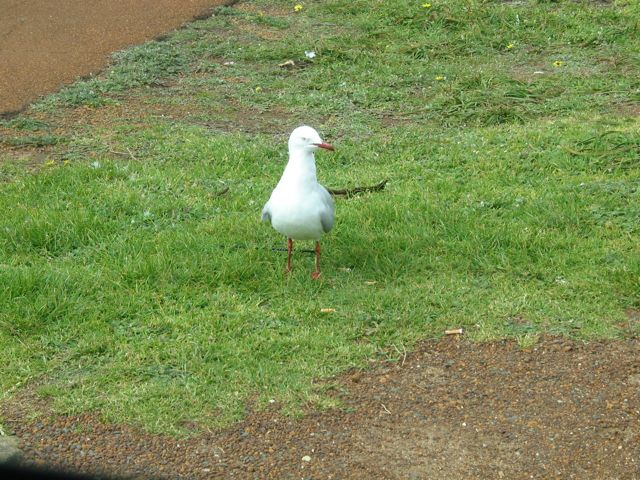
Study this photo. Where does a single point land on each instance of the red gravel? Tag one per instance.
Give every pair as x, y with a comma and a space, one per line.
451, 410
45, 44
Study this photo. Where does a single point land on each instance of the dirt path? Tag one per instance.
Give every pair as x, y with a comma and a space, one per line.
450, 410
46, 44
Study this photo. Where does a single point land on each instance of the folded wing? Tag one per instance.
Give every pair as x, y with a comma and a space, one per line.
328, 210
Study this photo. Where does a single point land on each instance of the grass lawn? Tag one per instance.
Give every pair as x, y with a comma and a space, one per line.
134, 283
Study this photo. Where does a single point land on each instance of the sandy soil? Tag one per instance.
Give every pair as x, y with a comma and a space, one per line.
450, 410
46, 44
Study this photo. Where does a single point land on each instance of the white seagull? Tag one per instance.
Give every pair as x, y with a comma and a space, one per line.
299, 207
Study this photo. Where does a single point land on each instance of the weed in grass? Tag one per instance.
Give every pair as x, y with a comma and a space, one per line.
25, 123
527, 340
31, 141
142, 65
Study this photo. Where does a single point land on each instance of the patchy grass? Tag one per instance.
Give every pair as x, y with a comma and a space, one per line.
131, 283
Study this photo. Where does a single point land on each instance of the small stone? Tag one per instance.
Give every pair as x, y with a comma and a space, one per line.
306, 458
9, 451
634, 379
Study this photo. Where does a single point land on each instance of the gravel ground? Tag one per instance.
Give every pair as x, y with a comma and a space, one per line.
451, 409
46, 44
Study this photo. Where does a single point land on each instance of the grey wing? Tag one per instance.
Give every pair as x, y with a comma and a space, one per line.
328, 210
266, 213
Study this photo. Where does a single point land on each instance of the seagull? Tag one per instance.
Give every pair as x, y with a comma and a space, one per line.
299, 207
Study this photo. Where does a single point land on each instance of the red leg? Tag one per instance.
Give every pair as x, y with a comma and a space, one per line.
289, 253
316, 275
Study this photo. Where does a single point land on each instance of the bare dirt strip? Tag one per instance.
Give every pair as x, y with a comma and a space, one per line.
452, 409
45, 44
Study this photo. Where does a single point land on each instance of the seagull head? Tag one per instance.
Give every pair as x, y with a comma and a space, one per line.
306, 139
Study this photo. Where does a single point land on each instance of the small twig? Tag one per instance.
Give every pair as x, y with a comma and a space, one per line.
128, 153
131, 154
385, 408
347, 192
454, 331
403, 353
116, 152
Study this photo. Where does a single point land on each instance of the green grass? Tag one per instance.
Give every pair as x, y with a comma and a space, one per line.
130, 285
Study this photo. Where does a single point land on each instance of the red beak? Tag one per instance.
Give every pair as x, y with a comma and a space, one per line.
326, 146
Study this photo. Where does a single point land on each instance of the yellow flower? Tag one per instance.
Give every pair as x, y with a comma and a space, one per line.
426, 5
441, 78
49, 163
258, 89
558, 63
297, 8
510, 46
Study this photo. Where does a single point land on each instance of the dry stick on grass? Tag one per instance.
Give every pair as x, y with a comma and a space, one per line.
128, 153
347, 192
454, 331
403, 353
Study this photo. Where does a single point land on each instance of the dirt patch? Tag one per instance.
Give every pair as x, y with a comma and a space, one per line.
629, 109
140, 109
44, 45
451, 409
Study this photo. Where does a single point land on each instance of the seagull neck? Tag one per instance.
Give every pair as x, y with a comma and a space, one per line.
301, 166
